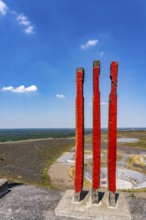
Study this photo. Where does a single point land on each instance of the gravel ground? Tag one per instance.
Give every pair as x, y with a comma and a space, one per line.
137, 207
25, 202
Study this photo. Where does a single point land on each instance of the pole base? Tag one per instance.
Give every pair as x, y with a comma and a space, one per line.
77, 196
85, 210
3, 187
112, 199
95, 196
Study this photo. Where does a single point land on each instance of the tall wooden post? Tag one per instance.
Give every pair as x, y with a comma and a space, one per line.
112, 134
79, 160
96, 133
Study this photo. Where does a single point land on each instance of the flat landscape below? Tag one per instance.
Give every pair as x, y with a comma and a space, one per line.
25, 164
28, 161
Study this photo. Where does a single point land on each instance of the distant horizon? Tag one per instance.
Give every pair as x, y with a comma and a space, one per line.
73, 128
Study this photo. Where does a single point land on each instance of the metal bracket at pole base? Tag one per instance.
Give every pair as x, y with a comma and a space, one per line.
112, 199
77, 196
95, 196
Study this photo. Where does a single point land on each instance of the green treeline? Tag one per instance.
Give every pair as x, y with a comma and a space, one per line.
7, 135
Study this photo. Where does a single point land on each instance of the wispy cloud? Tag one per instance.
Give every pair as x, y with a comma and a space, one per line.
25, 23
23, 20
20, 89
100, 53
3, 8
60, 96
29, 30
89, 43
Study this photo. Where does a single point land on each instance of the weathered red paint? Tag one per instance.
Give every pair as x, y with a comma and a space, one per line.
79, 160
112, 132
96, 126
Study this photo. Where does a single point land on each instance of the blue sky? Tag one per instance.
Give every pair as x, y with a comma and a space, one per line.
43, 42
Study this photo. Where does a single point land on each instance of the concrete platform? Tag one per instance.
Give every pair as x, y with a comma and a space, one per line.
3, 187
87, 211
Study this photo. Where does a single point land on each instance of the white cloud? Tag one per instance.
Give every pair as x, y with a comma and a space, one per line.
90, 43
32, 88
3, 8
22, 20
29, 30
20, 89
25, 22
61, 96
8, 88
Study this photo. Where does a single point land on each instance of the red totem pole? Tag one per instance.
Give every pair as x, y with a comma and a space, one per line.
112, 135
96, 132
79, 162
